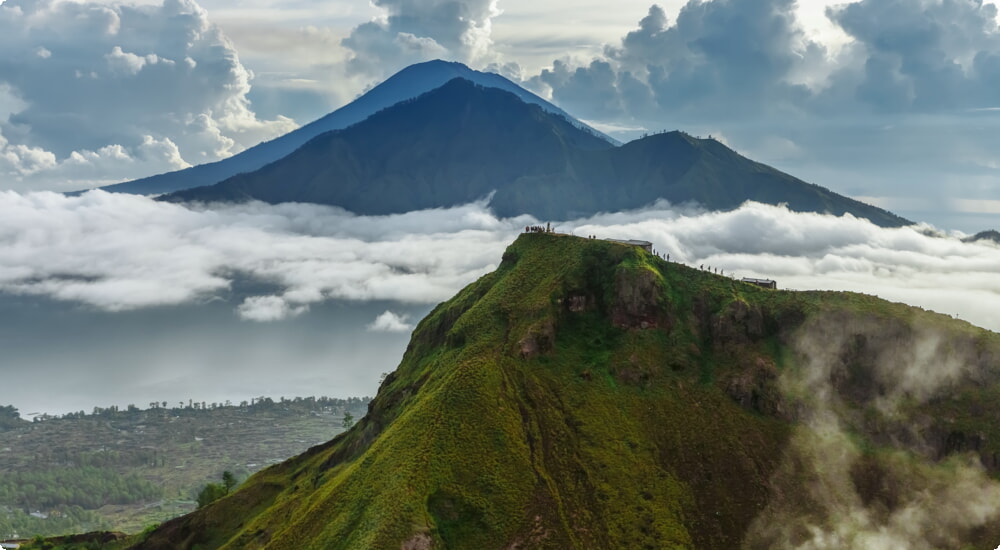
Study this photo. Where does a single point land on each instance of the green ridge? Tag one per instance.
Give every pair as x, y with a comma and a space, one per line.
588, 394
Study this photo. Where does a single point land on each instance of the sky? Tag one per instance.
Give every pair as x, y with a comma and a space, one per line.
893, 101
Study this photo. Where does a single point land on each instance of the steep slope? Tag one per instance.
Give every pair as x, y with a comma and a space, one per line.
406, 84
590, 395
462, 142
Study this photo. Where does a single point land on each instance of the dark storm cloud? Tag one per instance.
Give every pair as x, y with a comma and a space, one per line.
922, 55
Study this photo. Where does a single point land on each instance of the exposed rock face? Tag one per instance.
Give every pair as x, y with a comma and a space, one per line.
756, 388
420, 541
637, 299
738, 324
539, 340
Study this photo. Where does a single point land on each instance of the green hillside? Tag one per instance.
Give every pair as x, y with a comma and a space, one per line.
588, 394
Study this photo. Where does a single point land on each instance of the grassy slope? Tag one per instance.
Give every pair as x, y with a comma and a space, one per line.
584, 395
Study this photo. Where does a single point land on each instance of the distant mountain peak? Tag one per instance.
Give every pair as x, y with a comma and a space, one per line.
463, 141
406, 84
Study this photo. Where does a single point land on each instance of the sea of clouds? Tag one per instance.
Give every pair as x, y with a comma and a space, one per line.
118, 252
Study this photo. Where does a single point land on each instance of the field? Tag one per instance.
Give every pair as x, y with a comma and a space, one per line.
126, 469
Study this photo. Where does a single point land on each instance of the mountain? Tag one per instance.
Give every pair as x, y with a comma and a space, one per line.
988, 235
463, 142
452, 145
406, 84
588, 394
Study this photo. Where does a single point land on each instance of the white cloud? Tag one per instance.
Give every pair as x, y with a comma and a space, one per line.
30, 165
410, 31
130, 63
390, 322
268, 308
92, 77
121, 252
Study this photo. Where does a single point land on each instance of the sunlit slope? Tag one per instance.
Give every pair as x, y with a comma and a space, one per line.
588, 394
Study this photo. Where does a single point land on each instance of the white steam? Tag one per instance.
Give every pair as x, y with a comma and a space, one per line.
856, 380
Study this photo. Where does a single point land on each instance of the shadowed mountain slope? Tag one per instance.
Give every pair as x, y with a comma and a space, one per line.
406, 84
462, 142
588, 394
988, 235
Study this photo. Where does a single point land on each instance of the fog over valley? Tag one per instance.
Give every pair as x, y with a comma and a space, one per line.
116, 299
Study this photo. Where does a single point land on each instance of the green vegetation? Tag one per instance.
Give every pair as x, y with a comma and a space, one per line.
86, 487
212, 492
10, 418
124, 469
590, 395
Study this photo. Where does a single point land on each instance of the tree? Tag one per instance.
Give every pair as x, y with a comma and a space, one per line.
210, 493
9, 417
214, 491
348, 420
228, 480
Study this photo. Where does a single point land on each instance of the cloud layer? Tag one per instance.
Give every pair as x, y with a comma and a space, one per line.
120, 252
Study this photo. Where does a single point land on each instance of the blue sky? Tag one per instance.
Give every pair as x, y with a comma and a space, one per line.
894, 101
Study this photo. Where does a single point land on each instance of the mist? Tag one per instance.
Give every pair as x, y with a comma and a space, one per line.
857, 381
116, 299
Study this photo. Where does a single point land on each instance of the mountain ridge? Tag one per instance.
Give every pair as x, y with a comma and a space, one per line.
588, 394
461, 142
405, 84
361, 169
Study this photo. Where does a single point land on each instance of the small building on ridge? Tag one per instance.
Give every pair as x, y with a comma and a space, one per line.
766, 283
645, 245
